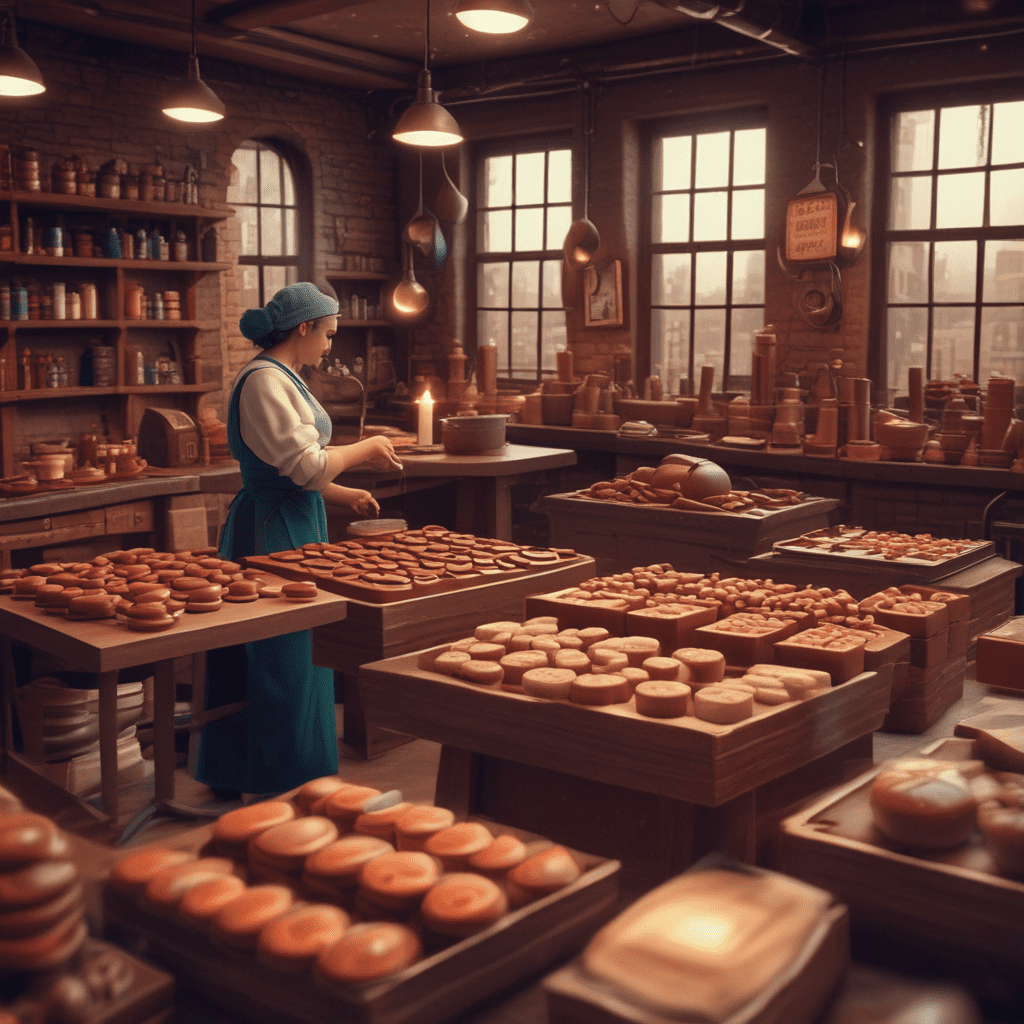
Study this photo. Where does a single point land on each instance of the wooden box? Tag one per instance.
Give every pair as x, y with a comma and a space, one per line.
1001, 656
434, 989
621, 536
952, 900
925, 696
685, 758
672, 625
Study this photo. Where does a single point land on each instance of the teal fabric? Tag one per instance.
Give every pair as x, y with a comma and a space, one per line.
286, 735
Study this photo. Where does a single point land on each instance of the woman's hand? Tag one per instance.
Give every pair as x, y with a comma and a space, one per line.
379, 452
359, 501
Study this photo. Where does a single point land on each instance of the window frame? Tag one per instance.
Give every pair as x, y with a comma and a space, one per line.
546, 142
302, 260
696, 123
890, 106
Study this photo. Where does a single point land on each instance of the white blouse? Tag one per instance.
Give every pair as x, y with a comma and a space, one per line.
277, 423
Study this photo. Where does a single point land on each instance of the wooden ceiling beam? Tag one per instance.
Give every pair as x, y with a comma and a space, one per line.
247, 15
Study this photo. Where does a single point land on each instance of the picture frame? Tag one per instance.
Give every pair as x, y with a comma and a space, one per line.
602, 294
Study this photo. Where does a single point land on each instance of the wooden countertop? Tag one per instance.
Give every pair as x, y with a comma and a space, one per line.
760, 462
46, 503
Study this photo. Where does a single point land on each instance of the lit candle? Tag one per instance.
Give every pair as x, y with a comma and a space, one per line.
425, 431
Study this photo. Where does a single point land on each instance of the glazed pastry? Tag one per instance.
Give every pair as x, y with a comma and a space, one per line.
367, 952
398, 881
200, 904
240, 922
454, 845
462, 904
540, 875
293, 941
416, 825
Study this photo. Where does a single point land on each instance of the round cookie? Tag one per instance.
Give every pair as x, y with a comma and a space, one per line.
462, 904
367, 952
293, 941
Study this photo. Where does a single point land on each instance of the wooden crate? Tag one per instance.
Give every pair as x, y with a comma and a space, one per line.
434, 989
952, 899
684, 758
621, 536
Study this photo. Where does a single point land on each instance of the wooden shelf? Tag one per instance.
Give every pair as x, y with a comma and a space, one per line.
129, 207
103, 263
43, 394
359, 275
93, 325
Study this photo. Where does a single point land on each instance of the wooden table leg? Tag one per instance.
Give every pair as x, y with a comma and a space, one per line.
455, 781
363, 737
730, 828
163, 729
107, 682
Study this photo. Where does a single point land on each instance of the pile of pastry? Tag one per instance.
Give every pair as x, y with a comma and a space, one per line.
145, 589
344, 882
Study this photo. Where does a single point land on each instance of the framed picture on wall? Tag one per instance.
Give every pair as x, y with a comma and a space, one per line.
602, 287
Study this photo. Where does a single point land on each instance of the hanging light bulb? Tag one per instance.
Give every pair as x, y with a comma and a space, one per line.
495, 17
425, 122
193, 100
19, 75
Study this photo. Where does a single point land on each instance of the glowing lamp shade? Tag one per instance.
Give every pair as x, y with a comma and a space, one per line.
495, 17
193, 100
425, 122
19, 75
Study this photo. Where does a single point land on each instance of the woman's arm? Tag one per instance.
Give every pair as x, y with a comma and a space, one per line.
377, 452
359, 501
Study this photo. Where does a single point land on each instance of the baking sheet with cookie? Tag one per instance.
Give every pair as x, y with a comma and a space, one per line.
859, 546
433, 989
686, 758
410, 563
955, 898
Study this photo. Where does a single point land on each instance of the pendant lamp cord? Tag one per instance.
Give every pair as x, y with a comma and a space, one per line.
426, 40
194, 51
586, 150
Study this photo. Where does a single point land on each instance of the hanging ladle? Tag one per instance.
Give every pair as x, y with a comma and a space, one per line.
451, 205
582, 240
409, 296
420, 230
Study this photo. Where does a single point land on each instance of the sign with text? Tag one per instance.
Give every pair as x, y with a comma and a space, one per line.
811, 223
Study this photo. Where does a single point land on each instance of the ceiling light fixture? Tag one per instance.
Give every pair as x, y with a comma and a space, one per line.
495, 17
425, 122
19, 75
193, 100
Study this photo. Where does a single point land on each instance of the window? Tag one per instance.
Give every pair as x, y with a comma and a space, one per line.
706, 249
524, 209
954, 241
265, 202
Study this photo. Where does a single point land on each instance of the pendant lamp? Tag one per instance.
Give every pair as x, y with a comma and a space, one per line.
425, 122
193, 100
19, 75
496, 17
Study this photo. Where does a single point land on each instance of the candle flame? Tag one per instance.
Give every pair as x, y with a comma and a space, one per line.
428, 398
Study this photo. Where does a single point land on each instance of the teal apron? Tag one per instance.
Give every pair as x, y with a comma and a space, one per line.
286, 734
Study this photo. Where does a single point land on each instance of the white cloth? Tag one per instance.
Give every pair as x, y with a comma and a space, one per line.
277, 423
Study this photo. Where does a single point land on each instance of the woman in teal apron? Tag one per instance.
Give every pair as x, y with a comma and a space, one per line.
279, 434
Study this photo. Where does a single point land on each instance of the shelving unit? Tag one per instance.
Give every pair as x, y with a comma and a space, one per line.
28, 414
345, 282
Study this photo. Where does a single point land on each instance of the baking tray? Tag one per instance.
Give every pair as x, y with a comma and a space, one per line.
954, 897
434, 989
685, 758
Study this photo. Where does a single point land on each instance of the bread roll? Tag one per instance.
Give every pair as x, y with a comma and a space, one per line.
923, 803
723, 705
293, 941
399, 880
462, 904
662, 698
540, 875
705, 666
240, 922
416, 825
367, 952
454, 845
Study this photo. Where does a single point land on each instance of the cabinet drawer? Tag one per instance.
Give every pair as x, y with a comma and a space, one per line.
47, 530
132, 517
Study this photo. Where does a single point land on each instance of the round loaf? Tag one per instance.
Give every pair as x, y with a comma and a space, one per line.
303, 590
287, 845
549, 683
705, 666
723, 705
166, 888
483, 673
35, 883
26, 837
234, 830
344, 805
339, 863
380, 823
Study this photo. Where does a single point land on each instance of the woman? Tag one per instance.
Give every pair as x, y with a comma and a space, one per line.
278, 432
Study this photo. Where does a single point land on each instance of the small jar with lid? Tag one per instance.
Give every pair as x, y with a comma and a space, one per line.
146, 187
180, 250
129, 186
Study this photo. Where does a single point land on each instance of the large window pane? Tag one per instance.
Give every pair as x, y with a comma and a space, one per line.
554, 339
748, 277
271, 237
559, 220
1008, 133
741, 342
907, 337
274, 279
492, 284
496, 182
908, 272
961, 200
248, 236
529, 230
1006, 205
551, 295
671, 218
560, 176
270, 176
1004, 271
952, 342
495, 230
1002, 342
709, 341
955, 275
748, 157
526, 284
963, 136
524, 343
710, 279
244, 190
676, 157
910, 204
913, 140
529, 178
748, 214
670, 285
291, 233
492, 329
670, 343
712, 160
709, 216
249, 286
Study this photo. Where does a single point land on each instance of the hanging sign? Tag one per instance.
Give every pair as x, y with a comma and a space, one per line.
812, 221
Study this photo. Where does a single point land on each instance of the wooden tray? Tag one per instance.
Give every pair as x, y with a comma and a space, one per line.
435, 989
377, 595
954, 898
928, 569
688, 759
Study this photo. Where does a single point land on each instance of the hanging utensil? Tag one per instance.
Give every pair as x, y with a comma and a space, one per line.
439, 249
582, 240
420, 230
451, 205
409, 297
